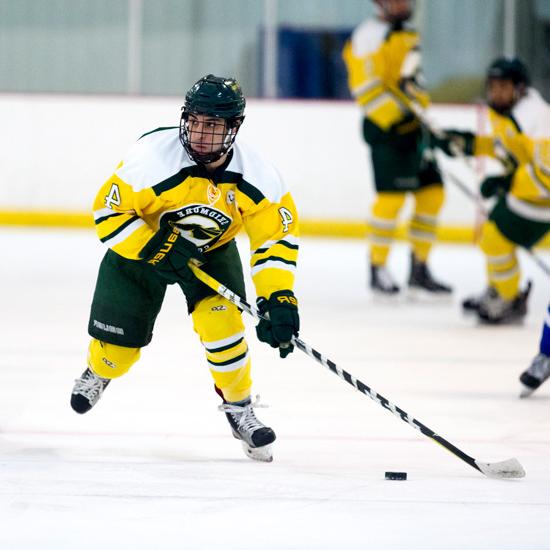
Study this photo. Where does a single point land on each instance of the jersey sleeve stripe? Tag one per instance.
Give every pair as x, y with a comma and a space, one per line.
367, 86
122, 232
274, 259
102, 219
290, 241
282, 243
274, 264
103, 212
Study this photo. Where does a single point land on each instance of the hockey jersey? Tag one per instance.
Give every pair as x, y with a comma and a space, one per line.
524, 136
379, 58
158, 184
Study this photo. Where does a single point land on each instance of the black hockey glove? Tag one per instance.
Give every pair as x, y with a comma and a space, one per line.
168, 252
456, 142
283, 321
495, 185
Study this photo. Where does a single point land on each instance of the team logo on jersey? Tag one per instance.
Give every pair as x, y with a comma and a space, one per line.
230, 197
213, 194
198, 223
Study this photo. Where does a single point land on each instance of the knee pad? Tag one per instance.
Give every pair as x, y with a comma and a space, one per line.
388, 205
217, 320
109, 360
429, 200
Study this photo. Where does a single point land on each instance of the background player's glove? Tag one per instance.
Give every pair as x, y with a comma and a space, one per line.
456, 141
495, 185
168, 252
283, 321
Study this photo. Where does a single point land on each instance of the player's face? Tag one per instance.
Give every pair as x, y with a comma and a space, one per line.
397, 10
206, 134
501, 94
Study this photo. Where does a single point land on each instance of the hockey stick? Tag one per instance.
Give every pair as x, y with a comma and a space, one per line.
506, 469
420, 113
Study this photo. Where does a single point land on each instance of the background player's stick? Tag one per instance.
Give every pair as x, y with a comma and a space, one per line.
420, 113
506, 469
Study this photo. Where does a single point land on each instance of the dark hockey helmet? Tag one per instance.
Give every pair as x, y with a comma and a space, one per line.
396, 11
509, 69
215, 97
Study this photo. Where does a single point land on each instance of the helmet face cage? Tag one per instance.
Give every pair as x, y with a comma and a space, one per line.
507, 70
218, 105
216, 138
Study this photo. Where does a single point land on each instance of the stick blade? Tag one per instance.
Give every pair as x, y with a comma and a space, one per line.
507, 469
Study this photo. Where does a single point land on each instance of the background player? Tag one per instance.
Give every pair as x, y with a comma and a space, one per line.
383, 63
539, 370
520, 139
184, 193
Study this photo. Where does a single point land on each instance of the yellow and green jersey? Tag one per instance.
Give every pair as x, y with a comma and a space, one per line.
157, 184
379, 57
524, 136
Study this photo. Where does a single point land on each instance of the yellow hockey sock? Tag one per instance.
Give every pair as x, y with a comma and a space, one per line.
423, 225
382, 224
502, 265
221, 330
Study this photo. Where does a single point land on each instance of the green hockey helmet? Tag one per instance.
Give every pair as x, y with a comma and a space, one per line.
216, 98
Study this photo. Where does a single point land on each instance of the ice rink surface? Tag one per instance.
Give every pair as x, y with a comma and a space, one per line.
154, 464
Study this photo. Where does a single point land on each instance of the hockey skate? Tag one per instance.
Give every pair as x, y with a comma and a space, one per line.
421, 281
256, 439
535, 375
381, 281
471, 304
495, 310
87, 390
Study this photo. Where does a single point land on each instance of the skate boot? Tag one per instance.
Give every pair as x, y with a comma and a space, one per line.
471, 304
255, 438
422, 279
495, 310
381, 281
535, 375
87, 390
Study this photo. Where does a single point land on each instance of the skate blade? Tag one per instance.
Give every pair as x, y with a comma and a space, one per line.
483, 321
383, 298
422, 296
526, 391
261, 454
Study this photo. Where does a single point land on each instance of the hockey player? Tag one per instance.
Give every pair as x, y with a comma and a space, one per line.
184, 193
539, 370
383, 62
520, 139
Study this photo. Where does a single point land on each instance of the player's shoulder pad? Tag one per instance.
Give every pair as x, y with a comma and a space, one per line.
154, 158
368, 36
257, 172
532, 114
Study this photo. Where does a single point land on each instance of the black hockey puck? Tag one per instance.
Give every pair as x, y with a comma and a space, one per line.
400, 476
